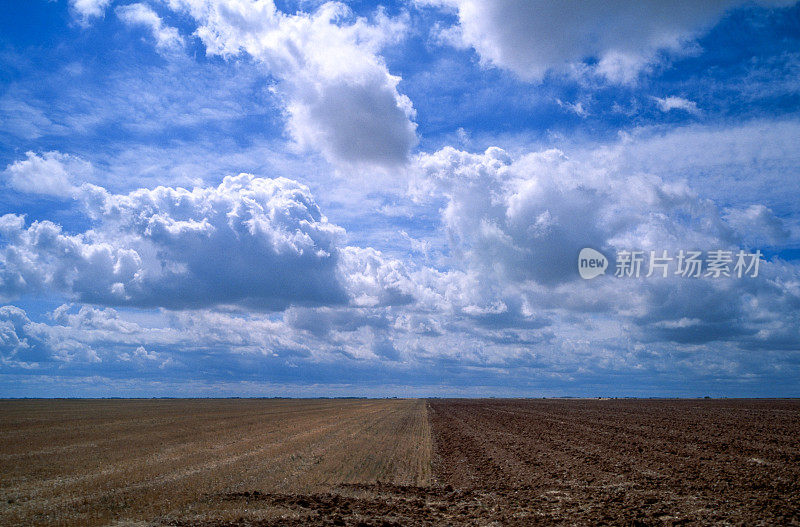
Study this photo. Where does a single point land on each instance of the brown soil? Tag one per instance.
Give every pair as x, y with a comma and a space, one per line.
392, 463
619, 462
139, 462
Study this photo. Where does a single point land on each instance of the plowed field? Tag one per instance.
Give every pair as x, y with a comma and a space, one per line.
400, 462
640, 462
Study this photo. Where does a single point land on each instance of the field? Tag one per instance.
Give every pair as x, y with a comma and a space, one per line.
105, 461
399, 462
637, 462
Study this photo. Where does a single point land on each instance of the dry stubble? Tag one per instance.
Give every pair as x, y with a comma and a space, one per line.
72, 462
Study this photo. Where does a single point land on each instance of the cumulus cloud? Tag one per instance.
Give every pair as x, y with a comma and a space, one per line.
374, 280
50, 174
512, 225
78, 335
622, 37
15, 344
27, 344
339, 95
89, 317
247, 278
515, 226
254, 241
167, 38
75, 339
527, 218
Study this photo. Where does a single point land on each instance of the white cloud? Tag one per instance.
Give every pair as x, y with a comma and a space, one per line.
92, 318
527, 218
213, 264
576, 107
515, 225
422, 247
262, 242
667, 104
374, 280
86, 9
757, 225
339, 95
27, 344
167, 38
531, 37
729, 164
51, 174
254, 242
19, 118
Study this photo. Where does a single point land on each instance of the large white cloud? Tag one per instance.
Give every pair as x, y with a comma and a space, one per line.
249, 242
340, 97
51, 174
516, 224
530, 37
255, 241
527, 218
507, 293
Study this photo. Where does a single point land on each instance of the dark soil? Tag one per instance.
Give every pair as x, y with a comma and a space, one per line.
622, 462
579, 462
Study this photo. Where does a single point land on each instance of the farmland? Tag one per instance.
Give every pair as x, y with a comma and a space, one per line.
103, 461
399, 462
594, 462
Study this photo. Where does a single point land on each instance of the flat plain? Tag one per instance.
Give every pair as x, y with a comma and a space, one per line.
620, 462
99, 462
399, 462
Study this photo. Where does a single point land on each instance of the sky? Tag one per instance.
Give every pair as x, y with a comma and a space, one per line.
214, 198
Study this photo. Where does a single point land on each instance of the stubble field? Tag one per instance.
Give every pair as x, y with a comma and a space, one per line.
399, 462
196, 461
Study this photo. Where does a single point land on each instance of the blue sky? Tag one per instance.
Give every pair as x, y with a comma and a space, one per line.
237, 197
